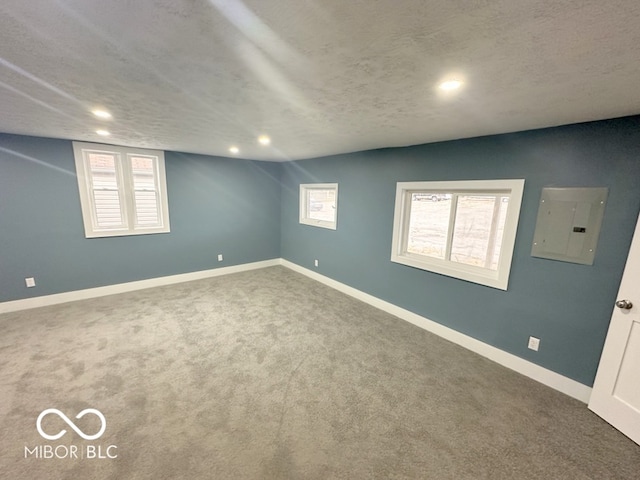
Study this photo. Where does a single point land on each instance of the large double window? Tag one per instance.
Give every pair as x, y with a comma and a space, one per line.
464, 229
122, 190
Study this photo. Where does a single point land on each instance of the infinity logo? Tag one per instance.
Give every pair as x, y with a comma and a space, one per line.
71, 424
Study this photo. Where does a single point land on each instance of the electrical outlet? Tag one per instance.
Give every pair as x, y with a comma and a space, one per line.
315, 262
31, 282
534, 343
219, 257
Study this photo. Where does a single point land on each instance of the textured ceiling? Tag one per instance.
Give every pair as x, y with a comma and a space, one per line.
319, 77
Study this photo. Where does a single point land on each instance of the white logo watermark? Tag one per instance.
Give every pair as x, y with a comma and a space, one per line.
71, 451
71, 424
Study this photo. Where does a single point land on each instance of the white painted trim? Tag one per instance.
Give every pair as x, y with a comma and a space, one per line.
545, 376
65, 297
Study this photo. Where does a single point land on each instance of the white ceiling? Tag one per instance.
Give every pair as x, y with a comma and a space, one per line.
319, 77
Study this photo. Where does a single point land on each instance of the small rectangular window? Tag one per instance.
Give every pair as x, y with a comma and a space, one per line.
122, 190
319, 205
464, 229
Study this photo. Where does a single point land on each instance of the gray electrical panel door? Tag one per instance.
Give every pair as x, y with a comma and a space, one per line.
568, 224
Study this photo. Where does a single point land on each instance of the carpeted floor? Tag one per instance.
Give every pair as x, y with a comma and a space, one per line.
270, 375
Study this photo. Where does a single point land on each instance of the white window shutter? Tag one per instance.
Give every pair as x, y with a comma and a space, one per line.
105, 184
144, 174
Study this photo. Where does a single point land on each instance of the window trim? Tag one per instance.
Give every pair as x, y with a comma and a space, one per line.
492, 278
305, 219
124, 176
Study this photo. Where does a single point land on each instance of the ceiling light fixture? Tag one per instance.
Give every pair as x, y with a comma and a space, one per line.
449, 85
101, 114
103, 133
235, 150
264, 140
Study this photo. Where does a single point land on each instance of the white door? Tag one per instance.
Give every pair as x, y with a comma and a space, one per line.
616, 391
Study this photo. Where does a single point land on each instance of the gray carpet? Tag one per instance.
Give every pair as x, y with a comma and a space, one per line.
269, 375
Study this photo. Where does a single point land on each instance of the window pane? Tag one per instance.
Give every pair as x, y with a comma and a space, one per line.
428, 224
145, 195
103, 171
478, 229
143, 173
502, 218
321, 205
106, 196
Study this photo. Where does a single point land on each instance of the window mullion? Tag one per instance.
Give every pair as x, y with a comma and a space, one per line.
452, 220
127, 190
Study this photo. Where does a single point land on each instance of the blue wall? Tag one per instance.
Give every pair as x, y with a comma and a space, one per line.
568, 306
249, 212
216, 205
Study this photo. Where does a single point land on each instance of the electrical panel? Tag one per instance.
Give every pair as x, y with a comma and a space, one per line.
568, 224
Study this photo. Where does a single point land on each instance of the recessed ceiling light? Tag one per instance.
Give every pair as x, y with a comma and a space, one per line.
101, 113
449, 85
234, 149
264, 140
103, 133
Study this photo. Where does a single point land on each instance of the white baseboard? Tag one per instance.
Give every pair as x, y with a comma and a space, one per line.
545, 376
65, 297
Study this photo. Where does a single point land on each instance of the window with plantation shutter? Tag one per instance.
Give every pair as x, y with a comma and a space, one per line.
122, 190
